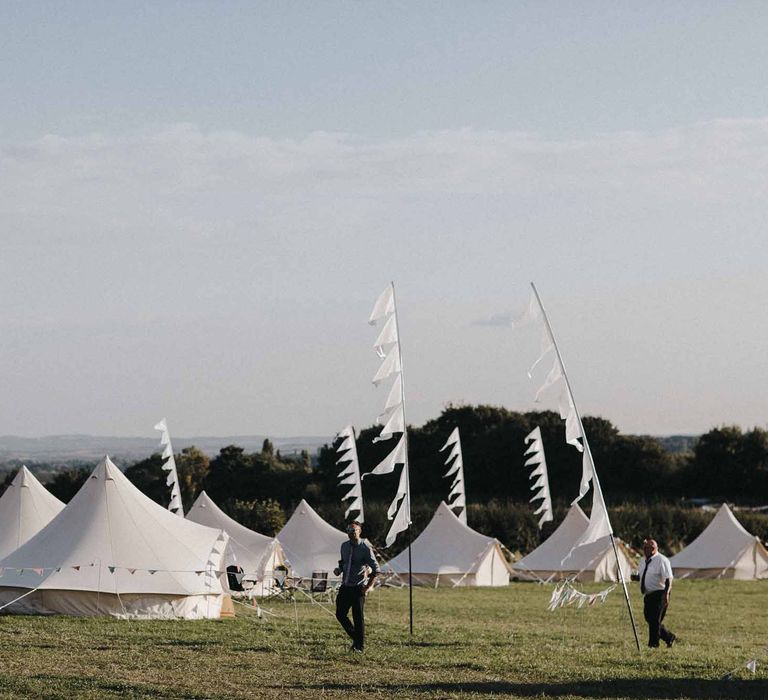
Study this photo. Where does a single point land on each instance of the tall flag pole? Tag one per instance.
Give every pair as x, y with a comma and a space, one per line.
350, 474
175, 505
388, 348
540, 487
599, 522
455, 463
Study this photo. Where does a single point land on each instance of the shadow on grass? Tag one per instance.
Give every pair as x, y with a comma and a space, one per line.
48, 685
656, 688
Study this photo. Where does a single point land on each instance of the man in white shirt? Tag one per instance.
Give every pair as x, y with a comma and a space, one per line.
655, 584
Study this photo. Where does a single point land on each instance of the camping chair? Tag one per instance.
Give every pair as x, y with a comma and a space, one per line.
285, 586
235, 578
319, 588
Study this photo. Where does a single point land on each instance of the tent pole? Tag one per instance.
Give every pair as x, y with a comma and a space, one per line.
620, 574
595, 481
406, 465
410, 581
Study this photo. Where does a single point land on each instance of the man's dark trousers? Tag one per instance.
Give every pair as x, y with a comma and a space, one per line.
654, 609
352, 597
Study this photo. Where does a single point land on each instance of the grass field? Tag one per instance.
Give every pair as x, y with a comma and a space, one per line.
477, 643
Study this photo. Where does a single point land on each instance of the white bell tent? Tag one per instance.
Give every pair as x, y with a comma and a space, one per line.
723, 550
113, 551
26, 507
448, 552
553, 559
310, 544
257, 554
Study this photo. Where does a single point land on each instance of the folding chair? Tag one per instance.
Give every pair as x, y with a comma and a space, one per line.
235, 578
284, 586
319, 588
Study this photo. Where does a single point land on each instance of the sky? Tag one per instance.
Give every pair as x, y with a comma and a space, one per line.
200, 202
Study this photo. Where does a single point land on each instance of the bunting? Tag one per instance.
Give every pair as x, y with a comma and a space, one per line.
455, 463
565, 595
540, 487
42, 570
392, 420
175, 505
750, 666
350, 474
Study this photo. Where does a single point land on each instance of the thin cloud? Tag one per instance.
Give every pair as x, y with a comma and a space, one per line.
177, 244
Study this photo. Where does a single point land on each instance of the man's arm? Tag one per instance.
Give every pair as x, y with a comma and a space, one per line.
667, 571
339, 570
374, 567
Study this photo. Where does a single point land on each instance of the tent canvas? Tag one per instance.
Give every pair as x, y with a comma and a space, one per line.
723, 550
592, 562
448, 552
113, 551
26, 507
310, 544
257, 554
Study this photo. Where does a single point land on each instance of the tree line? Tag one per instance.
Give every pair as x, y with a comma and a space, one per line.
259, 489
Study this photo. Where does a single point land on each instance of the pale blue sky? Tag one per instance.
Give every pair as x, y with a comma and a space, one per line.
389, 68
199, 202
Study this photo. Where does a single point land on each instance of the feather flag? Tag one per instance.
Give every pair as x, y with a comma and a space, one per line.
350, 474
541, 485
175, 505
387, 348
455, 463
599, 523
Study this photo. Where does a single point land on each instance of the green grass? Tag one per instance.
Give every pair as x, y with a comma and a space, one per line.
478, 643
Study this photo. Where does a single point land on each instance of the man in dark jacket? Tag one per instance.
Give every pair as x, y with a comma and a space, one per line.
356, 560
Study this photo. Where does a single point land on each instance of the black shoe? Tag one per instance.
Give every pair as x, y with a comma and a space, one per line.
672, 639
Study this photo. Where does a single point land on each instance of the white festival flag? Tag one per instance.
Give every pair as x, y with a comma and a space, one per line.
401, 522
394, 422
599, 523
387, 338
350, 474
455, 463
395, 457
384, 305
175, 505
541, 486
401, 491
390, 365
387, 347
395, 397
532, 315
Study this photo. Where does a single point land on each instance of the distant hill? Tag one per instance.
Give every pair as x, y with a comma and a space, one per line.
69, 448
61, 449
678, 443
